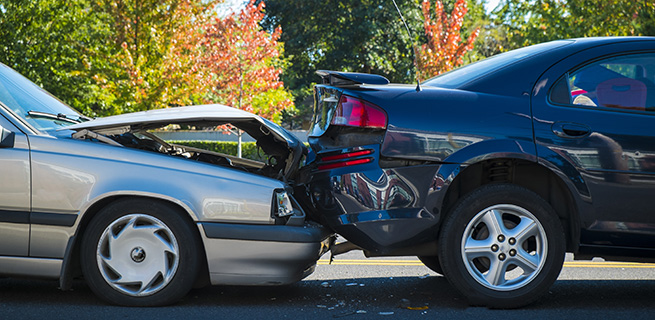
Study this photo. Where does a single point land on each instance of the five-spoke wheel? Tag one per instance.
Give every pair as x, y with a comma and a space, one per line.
502, 246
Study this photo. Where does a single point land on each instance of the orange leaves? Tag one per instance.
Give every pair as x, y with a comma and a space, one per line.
444, 48
244, 61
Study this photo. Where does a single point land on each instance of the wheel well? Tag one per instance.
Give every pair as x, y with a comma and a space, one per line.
74, 267
529, 175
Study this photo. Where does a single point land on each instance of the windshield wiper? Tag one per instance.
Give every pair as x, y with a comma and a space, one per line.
58, 116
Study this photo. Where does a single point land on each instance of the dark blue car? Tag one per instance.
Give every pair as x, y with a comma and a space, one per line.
491, 172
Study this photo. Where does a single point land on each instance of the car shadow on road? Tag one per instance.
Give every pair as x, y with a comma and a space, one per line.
336, 298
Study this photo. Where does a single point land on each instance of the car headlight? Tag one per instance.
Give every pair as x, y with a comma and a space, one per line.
284, 206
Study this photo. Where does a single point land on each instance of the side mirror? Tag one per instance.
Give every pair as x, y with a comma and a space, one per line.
6, 138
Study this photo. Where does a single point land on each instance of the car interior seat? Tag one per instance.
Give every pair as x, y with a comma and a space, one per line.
650, 87
624, 93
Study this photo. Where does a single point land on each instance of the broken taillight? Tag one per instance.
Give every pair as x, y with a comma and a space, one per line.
345, 159
356, 112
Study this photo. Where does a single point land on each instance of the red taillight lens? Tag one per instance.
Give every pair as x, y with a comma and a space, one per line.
344, 164
359, 113
348, 157
342, 156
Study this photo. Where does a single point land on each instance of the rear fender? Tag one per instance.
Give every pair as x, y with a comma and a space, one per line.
470, 155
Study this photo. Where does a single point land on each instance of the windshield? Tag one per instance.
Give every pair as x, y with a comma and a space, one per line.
465, 74
33, 104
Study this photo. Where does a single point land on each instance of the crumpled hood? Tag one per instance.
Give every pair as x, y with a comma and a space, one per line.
190, 114
270, 136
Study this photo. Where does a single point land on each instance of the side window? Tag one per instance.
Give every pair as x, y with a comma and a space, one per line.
625, 82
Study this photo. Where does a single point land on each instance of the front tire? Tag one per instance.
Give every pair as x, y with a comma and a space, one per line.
139, 252
502, 246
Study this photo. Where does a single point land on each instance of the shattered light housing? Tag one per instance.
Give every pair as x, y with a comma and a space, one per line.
283, 204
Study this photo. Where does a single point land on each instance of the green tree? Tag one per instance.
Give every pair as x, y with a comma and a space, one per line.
60, 45
108, 56
155, 43
351, 35
531, 22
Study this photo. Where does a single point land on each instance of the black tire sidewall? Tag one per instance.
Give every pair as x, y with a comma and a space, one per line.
465, 210
186, 238
432, 262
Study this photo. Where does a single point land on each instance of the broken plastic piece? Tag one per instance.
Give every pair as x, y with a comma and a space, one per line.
418, 308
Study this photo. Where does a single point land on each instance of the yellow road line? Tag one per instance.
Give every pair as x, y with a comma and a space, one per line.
568, 264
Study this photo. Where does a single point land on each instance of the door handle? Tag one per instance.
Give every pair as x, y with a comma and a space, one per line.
570, 130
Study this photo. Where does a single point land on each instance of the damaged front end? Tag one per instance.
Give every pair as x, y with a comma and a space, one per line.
253, 217
281, 153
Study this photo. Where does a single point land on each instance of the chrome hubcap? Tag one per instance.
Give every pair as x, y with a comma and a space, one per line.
504, 247
137, 255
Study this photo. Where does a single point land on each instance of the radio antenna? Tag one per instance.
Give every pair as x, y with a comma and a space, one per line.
418, 81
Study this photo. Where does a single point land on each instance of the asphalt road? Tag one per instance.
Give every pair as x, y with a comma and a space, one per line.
354, 287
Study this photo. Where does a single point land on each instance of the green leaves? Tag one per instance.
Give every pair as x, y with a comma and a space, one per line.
107, 57
531, 22
348, 35
58, 45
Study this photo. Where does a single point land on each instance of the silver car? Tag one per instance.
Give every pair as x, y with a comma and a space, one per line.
143, 220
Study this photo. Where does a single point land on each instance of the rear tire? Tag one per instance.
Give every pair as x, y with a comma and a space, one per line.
502, 246
140, 252
432, 262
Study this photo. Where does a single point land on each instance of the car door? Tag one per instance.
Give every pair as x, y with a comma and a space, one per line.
14, 190
596, 110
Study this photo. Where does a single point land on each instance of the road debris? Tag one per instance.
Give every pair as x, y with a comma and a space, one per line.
418, 308
406, 304
343, 314
348, 313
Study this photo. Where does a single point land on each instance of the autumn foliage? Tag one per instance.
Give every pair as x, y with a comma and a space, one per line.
445, 47
245, 63
155, 52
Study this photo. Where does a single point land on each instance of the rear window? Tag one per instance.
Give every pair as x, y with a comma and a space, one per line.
465, 74
625, 82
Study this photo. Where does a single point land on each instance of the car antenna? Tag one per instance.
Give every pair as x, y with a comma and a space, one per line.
418, 81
